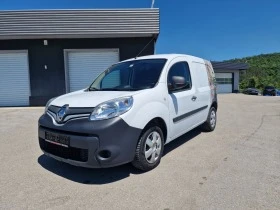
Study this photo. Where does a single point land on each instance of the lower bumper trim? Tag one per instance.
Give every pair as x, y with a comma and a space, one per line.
71, 153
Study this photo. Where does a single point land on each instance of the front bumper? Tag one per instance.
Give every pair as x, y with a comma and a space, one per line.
93, 144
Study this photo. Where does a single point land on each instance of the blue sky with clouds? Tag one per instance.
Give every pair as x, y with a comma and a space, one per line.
215, 30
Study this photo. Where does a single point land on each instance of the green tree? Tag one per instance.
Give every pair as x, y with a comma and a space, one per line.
263, 70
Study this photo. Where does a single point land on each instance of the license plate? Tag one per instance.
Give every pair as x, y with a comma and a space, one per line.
57, 139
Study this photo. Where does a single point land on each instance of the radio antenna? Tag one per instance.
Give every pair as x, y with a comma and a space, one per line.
153, 2
144, 47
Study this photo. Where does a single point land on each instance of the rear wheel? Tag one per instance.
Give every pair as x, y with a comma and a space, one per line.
149, 149
210, 123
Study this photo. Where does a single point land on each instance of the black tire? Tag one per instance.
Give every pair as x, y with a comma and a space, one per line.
140, 161
207, 126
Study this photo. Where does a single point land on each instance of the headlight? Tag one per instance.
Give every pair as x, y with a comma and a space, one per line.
112, 108
48, 103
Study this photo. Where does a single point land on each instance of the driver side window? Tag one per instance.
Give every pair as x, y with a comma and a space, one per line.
179, 70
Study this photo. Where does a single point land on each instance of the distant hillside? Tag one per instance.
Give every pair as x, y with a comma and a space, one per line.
263, 70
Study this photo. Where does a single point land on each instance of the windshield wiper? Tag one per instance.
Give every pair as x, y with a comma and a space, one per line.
135, 89
111, 89
114, 89
93, 89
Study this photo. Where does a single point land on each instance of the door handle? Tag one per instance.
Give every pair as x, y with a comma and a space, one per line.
194, 98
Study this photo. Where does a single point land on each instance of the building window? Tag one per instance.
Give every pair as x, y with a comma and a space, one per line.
224, 80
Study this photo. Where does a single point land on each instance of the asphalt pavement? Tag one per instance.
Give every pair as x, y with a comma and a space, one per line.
235, 167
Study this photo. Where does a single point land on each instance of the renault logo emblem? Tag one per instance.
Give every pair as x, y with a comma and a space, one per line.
61, 113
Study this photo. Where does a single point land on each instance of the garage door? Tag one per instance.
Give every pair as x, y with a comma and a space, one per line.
224, 82
14, 78
84, 66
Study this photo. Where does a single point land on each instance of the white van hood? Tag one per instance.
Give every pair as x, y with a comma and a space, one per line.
84, 98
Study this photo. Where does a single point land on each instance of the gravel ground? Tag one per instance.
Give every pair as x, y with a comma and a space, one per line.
235, 167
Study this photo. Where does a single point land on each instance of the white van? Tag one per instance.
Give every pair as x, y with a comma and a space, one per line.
130, 112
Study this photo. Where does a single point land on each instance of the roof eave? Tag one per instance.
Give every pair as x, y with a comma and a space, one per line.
75, 36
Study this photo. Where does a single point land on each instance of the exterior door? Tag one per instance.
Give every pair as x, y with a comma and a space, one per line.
14, 81
203, 90
181, 101
85, 65
224, 82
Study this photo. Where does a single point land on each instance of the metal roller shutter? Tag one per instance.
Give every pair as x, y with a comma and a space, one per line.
84, 66
224, 82
14, 78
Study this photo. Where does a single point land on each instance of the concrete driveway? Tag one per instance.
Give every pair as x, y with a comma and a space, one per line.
235, 167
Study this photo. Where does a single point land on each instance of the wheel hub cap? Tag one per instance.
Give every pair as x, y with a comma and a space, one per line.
213, 118
153, 147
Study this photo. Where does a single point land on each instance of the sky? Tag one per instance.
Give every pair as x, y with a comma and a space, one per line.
211, 29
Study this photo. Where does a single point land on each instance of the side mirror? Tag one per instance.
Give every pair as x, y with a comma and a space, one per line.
177, 83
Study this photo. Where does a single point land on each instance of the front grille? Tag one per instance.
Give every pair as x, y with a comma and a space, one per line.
71, 113
72, 110
71, 153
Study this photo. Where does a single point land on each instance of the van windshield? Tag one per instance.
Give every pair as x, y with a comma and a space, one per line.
129, 76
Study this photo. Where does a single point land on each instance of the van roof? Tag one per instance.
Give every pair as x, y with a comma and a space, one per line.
166, 56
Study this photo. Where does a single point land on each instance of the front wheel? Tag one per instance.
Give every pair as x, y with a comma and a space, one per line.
211, 121
149, 149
